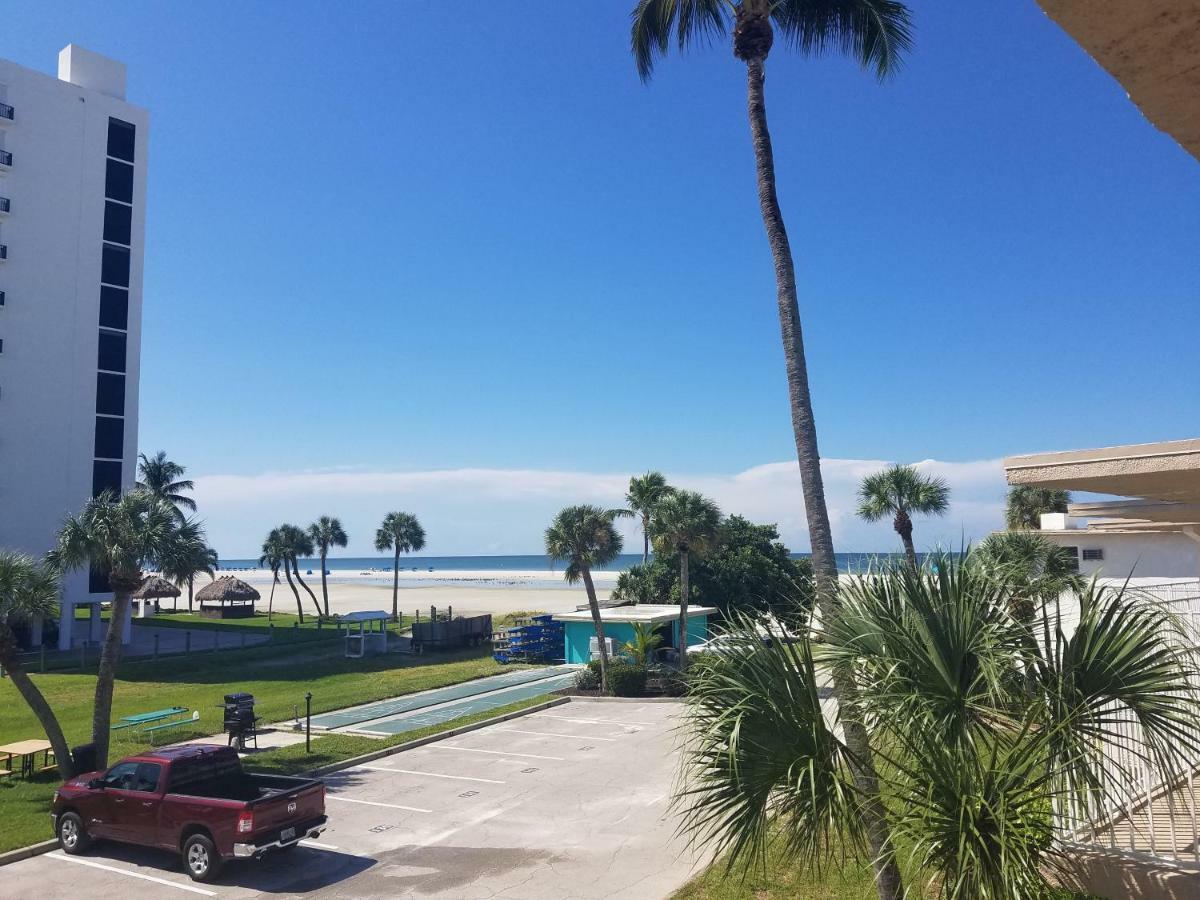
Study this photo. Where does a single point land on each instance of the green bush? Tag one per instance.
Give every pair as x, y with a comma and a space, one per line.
626, 679
588, 679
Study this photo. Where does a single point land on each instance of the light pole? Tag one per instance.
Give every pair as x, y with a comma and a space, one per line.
308, 722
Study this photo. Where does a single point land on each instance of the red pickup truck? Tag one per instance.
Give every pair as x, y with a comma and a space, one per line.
194, 800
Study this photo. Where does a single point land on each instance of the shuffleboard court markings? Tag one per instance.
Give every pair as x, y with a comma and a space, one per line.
397, 705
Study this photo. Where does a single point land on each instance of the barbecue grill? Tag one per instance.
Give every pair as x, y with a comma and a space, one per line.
240, 722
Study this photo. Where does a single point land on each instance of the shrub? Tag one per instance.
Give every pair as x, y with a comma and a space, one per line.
626, 679
588, 679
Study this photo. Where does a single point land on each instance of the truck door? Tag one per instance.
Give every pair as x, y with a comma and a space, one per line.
135, 802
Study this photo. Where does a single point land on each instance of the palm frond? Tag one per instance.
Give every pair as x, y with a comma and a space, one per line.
876, 33
656, 23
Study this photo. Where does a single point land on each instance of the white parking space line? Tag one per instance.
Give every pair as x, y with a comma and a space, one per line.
307, 843
574, 737
377, 803
592, 721
191, 889
492, 752
432, 774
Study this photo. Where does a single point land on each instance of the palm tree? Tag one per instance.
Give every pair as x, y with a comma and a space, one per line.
642, 645
118, 536
191, 556
644, 494
585, 537
399, 532
982, 753
876, 33
298, 544
1026, 503
900, 491
326, 532
686, 523
275, 554
1038, 570
164, 479
29, 592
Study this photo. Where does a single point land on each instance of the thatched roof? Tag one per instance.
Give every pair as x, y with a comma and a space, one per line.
155, 586
227, 589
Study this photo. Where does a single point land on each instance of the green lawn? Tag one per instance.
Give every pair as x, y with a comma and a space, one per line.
285, 624
278, 676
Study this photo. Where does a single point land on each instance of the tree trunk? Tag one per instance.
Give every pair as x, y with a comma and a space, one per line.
396, 585
307, 589
37, 702
190, 580
684, 594
598, 623
271, 598
324, 587
645, 539
887, 874
903, 525
287, 572
110, 657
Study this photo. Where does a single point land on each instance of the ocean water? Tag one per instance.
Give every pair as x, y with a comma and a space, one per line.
847, 562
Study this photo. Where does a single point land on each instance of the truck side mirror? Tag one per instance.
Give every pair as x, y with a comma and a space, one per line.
96, 784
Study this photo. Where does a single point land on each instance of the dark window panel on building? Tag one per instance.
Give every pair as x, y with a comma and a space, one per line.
111, 353
98, 582
110, 438
118, 222
121, 139
118, 181
110, 394
106, 476
114, 308
114, 266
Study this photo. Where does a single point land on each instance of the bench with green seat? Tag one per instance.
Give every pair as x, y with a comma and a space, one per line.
147, 718
172, 724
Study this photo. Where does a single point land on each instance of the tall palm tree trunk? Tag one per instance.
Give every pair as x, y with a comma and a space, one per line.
190, 580
396, 586
271, 598
324, 587
32, 695
106, 674
598, 623
307, 589
684, 594
903, 525
887, 874
287, 571
645, 539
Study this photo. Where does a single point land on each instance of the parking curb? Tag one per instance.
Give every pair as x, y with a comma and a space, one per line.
429, 739
21, 853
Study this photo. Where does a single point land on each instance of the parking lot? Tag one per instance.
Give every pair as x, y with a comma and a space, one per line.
571, 802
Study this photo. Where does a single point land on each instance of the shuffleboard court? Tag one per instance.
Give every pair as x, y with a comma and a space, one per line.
469, 706
359, 714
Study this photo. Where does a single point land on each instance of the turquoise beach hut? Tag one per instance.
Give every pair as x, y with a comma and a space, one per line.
578, 629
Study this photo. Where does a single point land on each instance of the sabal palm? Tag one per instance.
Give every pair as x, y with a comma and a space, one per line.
644, 494
274, 556
118, 536
1026, 503
28, 593
979, 751
326, 532
584, 537
1038, 570
399, 532
686, 523
298, 544
876, 34
190, 556
899, 492
164, 479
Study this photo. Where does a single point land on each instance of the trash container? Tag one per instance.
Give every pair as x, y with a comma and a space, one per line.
84, 757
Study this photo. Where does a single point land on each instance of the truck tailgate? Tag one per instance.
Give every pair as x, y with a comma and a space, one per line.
289, 808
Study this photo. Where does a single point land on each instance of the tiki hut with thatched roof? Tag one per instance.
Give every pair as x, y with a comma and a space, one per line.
154, 587
227, 598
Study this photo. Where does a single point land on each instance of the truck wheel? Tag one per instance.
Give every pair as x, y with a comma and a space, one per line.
72, 836
200, 858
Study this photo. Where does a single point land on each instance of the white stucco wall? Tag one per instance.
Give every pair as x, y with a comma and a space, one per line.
50, 320
1161, 556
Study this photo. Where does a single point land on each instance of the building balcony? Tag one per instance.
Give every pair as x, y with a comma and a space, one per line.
5, 206
5, 161
6, 113
3, 252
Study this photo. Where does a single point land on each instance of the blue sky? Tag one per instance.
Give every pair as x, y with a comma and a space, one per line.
386, 238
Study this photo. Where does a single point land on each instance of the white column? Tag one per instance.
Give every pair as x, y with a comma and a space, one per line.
66, 620
127, 629
95, 625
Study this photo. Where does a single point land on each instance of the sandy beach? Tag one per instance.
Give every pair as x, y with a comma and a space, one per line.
466, 591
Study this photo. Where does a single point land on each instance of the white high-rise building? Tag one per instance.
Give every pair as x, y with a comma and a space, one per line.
72, 227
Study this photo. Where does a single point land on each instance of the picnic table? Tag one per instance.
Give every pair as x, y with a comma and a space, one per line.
28, 751
147, 717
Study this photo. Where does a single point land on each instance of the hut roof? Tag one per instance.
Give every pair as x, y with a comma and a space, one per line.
227, 589
155, 586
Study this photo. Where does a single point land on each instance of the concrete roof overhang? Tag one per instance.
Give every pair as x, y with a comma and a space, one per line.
1151, 48
1167, 471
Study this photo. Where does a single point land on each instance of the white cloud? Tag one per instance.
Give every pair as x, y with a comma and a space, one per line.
498, 511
